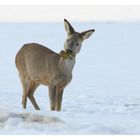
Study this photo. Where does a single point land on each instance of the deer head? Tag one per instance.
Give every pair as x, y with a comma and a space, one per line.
74, 39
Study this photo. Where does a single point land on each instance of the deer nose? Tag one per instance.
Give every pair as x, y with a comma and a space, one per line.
69, 51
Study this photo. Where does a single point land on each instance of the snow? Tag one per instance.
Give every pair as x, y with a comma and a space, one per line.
104, 95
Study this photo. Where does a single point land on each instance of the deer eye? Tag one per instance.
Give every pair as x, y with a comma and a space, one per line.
68, 40
77, 44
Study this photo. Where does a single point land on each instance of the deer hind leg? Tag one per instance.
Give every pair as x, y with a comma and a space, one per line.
52, 93
58, 98
26, 87
33, 87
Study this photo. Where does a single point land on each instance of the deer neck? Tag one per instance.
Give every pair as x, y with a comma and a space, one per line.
66, 62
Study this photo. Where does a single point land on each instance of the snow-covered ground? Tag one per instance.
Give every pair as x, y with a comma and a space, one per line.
104, 95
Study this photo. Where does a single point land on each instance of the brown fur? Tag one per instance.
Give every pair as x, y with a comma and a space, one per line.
38, 64
34, 69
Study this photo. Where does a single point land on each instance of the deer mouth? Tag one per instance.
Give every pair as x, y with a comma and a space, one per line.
67, 54
69, 51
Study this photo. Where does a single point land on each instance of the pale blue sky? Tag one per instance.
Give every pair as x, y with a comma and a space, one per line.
73, 13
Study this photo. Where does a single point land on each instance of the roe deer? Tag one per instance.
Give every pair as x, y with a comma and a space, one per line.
39, 65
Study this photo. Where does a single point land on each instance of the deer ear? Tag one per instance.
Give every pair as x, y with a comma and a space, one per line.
69, 29
86, 34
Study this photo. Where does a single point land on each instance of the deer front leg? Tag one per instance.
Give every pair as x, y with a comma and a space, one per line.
52, 93
58, 100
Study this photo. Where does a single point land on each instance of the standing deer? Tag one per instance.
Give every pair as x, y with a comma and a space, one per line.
38, 64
